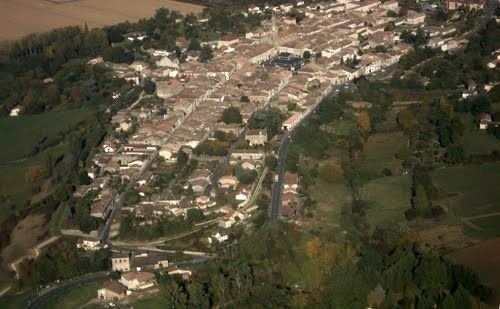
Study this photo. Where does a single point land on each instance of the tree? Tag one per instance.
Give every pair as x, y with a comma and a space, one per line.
307, 55
455, 154
34, 174
245, 99
194, 45
421, 202
117, 55
194, 215
206, 54
363, 121
182, 158
149, 86
95, 41
271, 161
312, 247
408, 122
232, 115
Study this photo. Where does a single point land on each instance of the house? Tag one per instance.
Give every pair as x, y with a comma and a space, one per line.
291, 121
136, 280
145, 261
199, 180
415, 18
132, 36
228, 182
227, 40
120, 261
203, 202
484, 121
494, 63
138, 262
245, 154
101, 207
110, 145
15, 111
167, 151
468, 4
231, 218
219, 237
251, 165
167, 62
291, 182
166, 89
88, 244
112, 290
243, 193
184, 273
256, 137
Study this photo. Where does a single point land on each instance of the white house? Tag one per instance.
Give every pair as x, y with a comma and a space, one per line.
136, 280
243, 193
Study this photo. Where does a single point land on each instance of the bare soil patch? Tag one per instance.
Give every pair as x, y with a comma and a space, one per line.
22, 17
25, 235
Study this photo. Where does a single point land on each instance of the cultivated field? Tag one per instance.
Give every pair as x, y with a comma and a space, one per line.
482, 257
21, 17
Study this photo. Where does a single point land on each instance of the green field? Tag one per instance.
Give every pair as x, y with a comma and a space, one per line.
74, 298
331, 197
389, 197
21, 134
473, 189
379, 152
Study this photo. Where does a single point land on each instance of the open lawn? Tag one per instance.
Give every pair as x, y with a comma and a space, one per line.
472, 189
379, 152
22, 17
330, 198
153, 301
476, 142
389, 198
74, 298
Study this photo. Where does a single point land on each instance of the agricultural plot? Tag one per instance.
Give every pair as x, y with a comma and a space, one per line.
472, 189
483, 258
22, 17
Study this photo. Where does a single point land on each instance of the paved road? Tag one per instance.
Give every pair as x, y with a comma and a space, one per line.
118, 201
75, 282
275, 207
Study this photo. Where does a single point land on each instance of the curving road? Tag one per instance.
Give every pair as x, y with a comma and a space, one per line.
40, 300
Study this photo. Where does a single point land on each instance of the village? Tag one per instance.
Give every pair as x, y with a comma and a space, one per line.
218, 163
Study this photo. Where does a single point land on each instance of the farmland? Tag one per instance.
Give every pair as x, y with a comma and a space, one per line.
22, 17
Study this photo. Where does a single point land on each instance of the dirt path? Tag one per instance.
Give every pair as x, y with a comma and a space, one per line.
33, 253
158, 241
141, 97
468, 220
